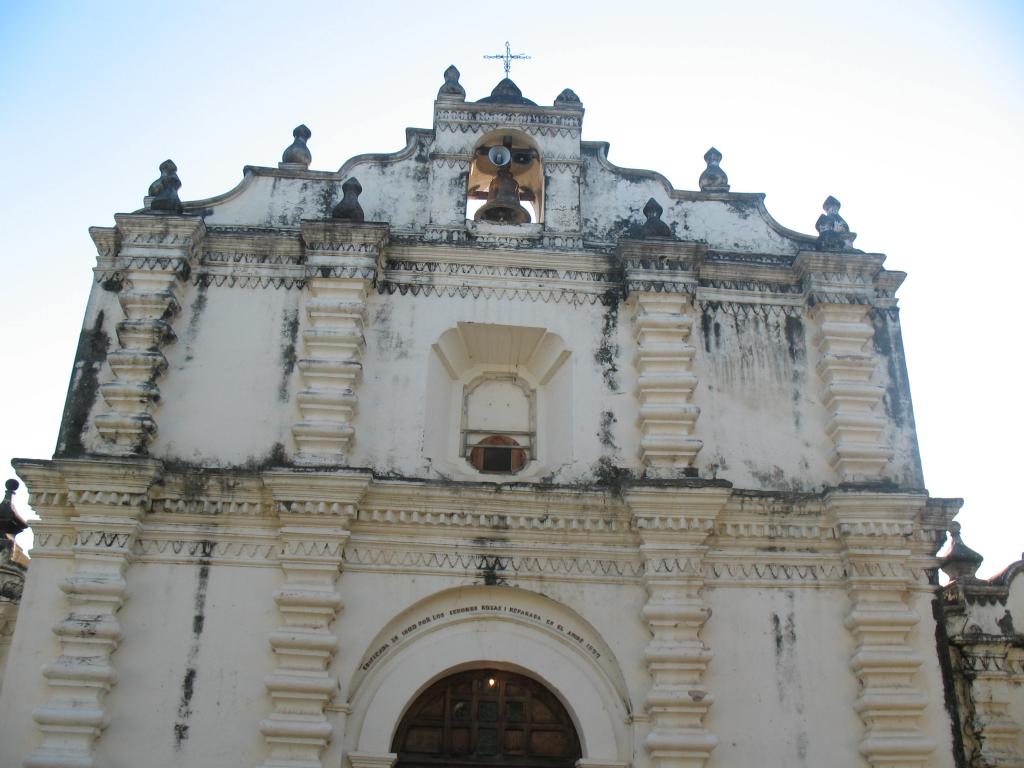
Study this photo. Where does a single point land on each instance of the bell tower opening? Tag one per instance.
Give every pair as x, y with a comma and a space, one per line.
506, 180
486, 718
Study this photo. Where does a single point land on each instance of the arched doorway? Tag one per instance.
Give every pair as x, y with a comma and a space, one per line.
486, 719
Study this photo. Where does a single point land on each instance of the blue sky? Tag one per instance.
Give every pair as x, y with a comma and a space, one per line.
910, 113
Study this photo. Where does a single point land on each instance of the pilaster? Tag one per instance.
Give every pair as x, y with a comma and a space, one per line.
562, 195
107, 499
992, 667
673, 525
314, 511
342, 259
13, 564
155, 257
449, 178
841, 290
877, 533
660, 281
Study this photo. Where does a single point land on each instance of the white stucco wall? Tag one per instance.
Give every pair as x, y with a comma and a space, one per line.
228, 526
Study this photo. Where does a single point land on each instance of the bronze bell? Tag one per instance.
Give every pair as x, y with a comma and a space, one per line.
502, 206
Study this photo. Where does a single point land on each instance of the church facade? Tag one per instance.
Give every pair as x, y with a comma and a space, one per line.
491, 453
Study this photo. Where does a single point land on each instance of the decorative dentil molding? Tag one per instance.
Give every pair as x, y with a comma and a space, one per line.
477, 119
675, 612
877, 551
314, 511
155, 258
107, 500
343, 259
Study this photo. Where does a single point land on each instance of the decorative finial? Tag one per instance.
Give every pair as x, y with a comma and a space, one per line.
164, 190
11, 523
654, 226
349, 208
568, 98
713, 179
452, 88
508, 57
957, 560
298, 153
833, 232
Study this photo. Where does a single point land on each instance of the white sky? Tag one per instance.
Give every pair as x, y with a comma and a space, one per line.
911, 113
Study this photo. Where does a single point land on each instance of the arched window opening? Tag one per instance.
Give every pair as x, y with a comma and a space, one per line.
498, 423
486, 718
506, 181
497, 453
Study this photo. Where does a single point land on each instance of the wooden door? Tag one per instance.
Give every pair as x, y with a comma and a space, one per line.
486, 719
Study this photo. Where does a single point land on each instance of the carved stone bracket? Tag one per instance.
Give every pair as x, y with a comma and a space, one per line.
156, 255
876, 531
673, 525
314, 511
343, 260
105, 501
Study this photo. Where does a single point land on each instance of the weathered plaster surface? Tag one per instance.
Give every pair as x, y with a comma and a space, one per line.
723, 510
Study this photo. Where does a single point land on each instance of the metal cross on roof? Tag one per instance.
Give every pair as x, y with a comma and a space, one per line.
508, 57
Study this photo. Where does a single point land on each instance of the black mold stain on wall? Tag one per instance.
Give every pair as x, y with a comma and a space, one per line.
888, 344
796, 343
709, 327
605, 434
325, 199
608, 348
795, 339
949, 676
196, 314
289, 333
188, 683
897, 392
83, 388
787, 673
491, 568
